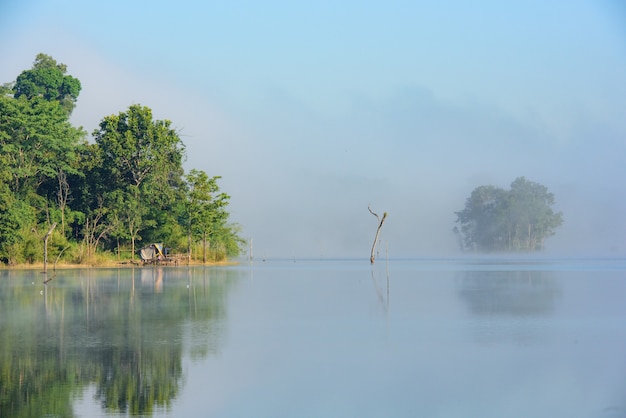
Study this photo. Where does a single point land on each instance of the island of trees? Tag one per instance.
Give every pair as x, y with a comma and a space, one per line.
518, 219
98, 200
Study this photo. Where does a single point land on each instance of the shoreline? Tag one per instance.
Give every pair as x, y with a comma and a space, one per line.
113, 264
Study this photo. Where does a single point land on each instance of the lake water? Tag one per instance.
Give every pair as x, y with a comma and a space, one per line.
318, 338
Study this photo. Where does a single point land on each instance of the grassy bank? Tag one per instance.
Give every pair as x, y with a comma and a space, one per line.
111, 263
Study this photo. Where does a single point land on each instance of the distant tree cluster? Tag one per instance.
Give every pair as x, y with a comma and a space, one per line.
519, 219
128, 186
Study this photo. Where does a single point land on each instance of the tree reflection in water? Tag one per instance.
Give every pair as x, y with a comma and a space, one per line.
122, 330
526, 295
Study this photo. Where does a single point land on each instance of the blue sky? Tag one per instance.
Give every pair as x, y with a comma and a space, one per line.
310, 111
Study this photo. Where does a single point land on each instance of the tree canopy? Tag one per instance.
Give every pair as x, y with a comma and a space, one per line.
518, 219
128, 186
48, 80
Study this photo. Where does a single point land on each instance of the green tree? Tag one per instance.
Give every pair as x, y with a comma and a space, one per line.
48, 80
482, 219
142, 160
126, 216
519, 219
136, 148
37, 151
37, 141
531, 218
16, 217
205, 215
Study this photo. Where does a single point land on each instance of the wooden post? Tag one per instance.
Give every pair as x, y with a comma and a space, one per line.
45, 247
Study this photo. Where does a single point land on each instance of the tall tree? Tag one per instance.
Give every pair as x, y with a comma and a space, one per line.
37, 151
531, 218
142, 158
36, 141
16, 218
48, 80
482, 219
127, 215
136, 148
519, 219
205, 210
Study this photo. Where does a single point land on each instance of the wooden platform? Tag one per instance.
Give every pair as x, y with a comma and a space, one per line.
168, 260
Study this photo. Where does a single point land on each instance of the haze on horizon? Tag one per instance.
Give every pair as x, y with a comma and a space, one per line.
312, 112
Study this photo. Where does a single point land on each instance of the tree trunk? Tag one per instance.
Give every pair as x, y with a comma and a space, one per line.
204, 247
62, 196
45, 247
189, 248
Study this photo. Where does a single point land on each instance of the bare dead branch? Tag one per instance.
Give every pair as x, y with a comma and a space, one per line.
373, 213
380, 225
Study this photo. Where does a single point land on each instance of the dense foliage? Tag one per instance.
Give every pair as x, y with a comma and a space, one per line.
104, 197
519, 219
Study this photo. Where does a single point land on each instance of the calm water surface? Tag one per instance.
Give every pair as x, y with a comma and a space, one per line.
333, 338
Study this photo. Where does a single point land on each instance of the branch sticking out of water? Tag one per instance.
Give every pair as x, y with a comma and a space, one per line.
380, 225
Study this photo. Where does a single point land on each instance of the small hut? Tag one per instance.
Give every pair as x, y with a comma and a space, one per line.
152, 253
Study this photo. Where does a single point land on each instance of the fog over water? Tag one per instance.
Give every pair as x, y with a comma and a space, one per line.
311, 113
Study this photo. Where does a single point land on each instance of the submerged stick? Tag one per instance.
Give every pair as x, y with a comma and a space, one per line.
380, 225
